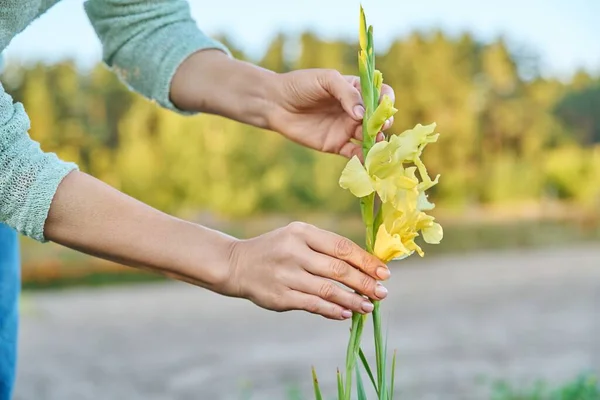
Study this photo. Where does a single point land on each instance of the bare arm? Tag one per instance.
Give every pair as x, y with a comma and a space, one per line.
287, 269
92, 217
209, 81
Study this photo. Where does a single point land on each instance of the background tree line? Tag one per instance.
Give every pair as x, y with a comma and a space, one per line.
509, 135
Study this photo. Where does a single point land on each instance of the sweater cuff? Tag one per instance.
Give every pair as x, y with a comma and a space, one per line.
40, 197
178, 53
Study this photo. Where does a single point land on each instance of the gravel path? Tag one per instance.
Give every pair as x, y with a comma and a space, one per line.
454, 320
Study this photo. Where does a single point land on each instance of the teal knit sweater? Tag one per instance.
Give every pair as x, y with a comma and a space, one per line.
144, 41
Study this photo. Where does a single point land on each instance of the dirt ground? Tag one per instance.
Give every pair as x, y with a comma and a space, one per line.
457, 322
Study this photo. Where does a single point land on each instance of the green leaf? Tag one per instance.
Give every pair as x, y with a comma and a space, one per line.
352, 351
360, 388
365, 363
340, 385
318, 395
384, 394
378, 345
392, 376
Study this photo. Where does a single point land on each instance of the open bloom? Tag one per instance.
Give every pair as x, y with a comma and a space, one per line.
390, 170
411, 145
383, 173
396, 235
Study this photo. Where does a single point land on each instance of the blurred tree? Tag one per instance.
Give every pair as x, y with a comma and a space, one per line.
506, 137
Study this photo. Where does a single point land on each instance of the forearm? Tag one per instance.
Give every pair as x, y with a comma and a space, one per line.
90, 216
211, 82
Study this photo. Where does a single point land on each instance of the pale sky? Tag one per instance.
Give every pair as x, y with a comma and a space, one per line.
564, 33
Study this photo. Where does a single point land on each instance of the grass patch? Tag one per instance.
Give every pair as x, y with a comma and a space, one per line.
582, 388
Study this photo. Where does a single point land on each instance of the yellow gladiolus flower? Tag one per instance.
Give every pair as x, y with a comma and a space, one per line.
383, 112
412, 143
378, 81
396, 235
383, 173
388, 246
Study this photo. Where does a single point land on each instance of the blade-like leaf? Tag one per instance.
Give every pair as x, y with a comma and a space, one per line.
392, 376
378, 346
383, 394
340, 385
365, 363
360, 388
352, 351
318, 395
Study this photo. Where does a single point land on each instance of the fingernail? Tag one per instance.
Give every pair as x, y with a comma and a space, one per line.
359, 111
346, 314
383, 273
367, 306
387, 124
380, 291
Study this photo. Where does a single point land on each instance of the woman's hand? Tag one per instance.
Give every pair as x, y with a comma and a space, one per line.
318, 108
297, 267
321, 109
291, 268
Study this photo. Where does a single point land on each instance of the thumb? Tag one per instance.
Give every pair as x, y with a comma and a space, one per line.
348, 96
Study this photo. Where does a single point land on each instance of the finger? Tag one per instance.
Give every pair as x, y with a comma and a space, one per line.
315, 305
350, 150
353, 80
342, 272
348, 96
386, 90
329, 291
344, 249
358, 132
388, 124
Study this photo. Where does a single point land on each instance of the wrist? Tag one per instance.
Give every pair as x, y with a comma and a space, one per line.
203, 255
211, 82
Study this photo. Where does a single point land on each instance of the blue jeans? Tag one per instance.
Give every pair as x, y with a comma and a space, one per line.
10, 286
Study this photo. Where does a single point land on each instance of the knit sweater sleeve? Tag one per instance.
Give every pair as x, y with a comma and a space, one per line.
144, 41
29, 177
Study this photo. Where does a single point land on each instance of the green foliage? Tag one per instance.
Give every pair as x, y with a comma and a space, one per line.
318, 395
583, 388
505, 139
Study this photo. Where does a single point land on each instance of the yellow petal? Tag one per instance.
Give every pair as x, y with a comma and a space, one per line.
423, 203
392, 218
412, 246
433, 234
362, 33
406, 147
427, 183
355, 178
414, 140
407, 180
388, 247
379, 157
386, 189
382, 113
378, 81
362, 64
406, 200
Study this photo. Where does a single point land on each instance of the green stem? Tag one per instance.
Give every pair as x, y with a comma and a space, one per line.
379, 350
352, 351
